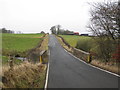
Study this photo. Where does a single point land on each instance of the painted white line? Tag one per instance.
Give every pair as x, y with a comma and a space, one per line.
47, 74
75, 57
92, 65
105, 70
46, 83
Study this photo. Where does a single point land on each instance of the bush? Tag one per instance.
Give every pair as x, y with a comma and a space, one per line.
84, 45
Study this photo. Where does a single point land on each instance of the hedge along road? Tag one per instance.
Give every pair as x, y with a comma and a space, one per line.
65, 71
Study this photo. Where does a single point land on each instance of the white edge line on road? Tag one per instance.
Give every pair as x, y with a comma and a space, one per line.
92, 65
47, 74
46, 82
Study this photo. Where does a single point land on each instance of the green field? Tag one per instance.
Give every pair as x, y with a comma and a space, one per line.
73, 39
18, 43
84, 43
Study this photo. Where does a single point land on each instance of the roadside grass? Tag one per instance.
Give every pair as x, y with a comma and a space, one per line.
110, 66
19, 43
4, 59
26, 75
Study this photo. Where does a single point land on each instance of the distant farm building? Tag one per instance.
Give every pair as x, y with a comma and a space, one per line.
70, 33
73, 33
84, 34
76, 33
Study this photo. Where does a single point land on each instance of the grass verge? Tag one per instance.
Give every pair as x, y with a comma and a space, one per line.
26, 75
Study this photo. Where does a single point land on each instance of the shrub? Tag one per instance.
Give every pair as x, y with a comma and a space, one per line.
84, 45
116, 55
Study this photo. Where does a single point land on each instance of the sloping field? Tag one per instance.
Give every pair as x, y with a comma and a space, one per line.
19, 42
73, 39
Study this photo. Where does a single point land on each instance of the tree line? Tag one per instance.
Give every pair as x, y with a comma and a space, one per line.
4, 30
57, 30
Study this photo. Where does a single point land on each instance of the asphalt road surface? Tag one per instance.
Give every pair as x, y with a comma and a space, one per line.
65, 71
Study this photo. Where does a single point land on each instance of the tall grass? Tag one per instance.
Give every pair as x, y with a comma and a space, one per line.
85, 44
26, 75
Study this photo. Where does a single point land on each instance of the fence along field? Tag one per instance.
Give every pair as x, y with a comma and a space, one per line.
13, 44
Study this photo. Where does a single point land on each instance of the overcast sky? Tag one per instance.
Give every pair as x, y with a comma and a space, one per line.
31, 16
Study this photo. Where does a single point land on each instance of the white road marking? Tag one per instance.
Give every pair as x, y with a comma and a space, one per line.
92, 65
47, 74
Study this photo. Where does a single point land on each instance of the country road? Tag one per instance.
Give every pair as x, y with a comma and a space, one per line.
65, 71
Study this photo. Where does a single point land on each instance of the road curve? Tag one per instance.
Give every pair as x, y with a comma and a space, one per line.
65, 71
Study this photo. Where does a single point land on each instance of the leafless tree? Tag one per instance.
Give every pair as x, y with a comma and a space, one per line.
105, 24
58, 28
53, 29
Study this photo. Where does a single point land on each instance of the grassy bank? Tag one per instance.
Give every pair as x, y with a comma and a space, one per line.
26, 75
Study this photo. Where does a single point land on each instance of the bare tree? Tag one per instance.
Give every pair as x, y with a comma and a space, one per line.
105, 22
58, 28
53, 30
104, 19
